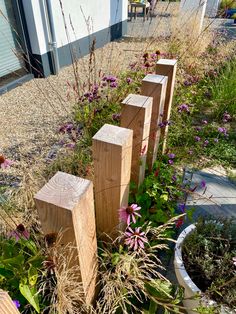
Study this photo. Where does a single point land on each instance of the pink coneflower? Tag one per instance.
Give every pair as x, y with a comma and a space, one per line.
135, 239
19, 232
5, 163
127, 214
234, 260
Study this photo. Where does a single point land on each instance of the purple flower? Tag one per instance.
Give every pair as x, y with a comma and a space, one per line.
109, 78
19, 232
171, 156
183, 108
116, 116
17, 303
129, 80
223, 131
197, 138
187, 83
70, 145
204, 122
203, 184
226, 117
170, 162
127, 214
216, 140
135, 239
174, 178
198, 128
190, 152
164, 123
113, 84
206, 142
5, 163
181, 207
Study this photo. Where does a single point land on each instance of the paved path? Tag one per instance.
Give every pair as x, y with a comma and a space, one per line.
219, 196
165, 22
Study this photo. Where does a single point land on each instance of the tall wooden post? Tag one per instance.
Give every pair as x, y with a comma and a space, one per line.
6, 304
154, 86
167, 67
136, 115
65, 204
112, 151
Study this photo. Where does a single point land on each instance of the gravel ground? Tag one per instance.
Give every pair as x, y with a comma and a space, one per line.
31, 114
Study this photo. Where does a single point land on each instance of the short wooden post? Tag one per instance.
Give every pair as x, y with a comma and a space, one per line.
6, 304
112, 151
65, 204
154, 86
167, 67
136, 115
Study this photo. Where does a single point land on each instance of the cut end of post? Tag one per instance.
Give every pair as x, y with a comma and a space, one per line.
155, 79
167, 62
138, 101
113, 135
63, 190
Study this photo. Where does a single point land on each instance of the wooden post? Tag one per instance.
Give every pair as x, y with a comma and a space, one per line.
112, 151
154, 86
6, 304
167, 67
136, 115
65, 204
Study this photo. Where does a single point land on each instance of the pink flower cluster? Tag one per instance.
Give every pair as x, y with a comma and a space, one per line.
5, 163
134, 239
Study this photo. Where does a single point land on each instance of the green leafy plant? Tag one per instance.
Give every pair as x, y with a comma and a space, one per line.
21, 269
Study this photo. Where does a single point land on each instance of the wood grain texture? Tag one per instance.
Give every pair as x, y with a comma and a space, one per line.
154, 86
136, 115
112, 150
65, 205
167, 67
6, 304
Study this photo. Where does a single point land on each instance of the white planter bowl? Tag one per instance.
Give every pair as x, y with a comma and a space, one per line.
190, 289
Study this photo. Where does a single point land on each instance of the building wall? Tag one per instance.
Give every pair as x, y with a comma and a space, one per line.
104, 20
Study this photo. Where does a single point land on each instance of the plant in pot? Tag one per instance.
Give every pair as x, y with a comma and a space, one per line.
205, 265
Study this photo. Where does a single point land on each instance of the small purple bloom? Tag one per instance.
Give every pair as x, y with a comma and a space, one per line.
203, 184
171, 156
170, 162
113, 84
181, 207
206, 142
17, 303
216, 140
110, 78
190, 152
116, 116
174, 178
198, 128
223, 131
183, 108
197, 138
226, 117
187, 83
70, 145
129, 80
204, 121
